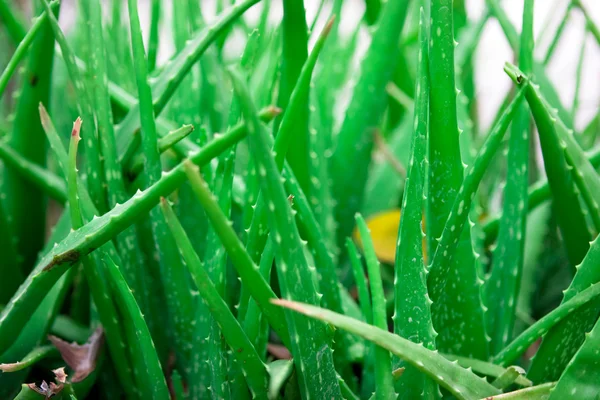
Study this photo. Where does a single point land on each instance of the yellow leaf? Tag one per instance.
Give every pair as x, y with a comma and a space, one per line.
384, 232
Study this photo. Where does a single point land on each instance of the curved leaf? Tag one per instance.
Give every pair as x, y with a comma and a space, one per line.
462, 383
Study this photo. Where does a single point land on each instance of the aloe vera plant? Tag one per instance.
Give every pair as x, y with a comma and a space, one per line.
383, 361
460, 300
35, 89
350, 161
508, 255
410, 265
210, 230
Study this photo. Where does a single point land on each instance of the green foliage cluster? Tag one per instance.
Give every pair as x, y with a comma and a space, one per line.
201, 244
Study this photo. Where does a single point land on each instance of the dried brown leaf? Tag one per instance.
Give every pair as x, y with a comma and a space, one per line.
46, 390
80, 358
60, 375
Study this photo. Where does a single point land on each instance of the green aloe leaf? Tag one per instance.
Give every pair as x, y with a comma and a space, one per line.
591, 25
572, 223
508, 377
155, 13
84, 104
13, 21
333, 292
175, 280
246, 269
364, 298
581, 376
279, 371
328, 81
294, 56
487, 369
412, 313
460, 300
316, 373
319, 190
347, 392
184, 104
585, 175
22, 49
578, 79
9, 268
27, 393
133, 164
255, 324
92, 11
447, 289
468, 41
71, 174
547, 365
558, 34
373, 8
27, 205
384, 387
35, 355
538, 193
584, 301
254, 369
51, 184
121, 64
215, 264
351, 158
293, 116
445, 165
502, 287
460, 382
539, 392
147, 370
361, 281
214, 95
